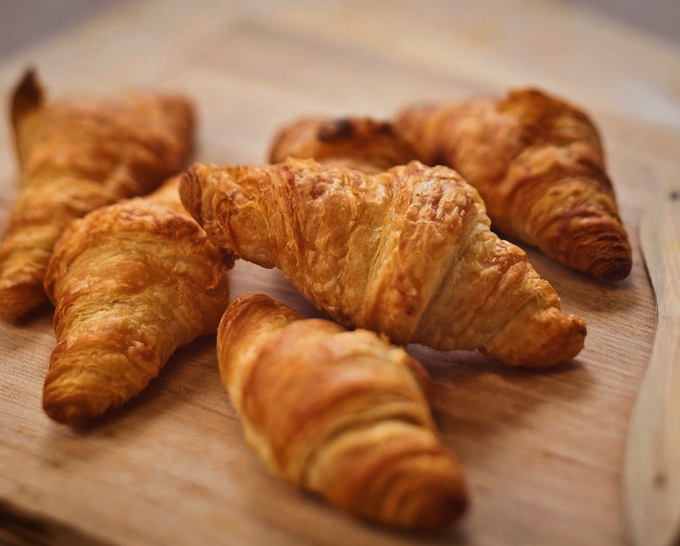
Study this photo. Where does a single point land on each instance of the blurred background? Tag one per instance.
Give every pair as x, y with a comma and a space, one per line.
610, 54
22, 22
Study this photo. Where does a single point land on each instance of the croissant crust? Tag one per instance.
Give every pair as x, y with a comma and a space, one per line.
76, 155
131, 282
340, 413
407, 252
539, 165
357, 143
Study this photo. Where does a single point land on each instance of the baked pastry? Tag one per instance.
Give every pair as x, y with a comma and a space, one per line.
131, 283
77, 155
539, 165
357, 143
407, 253
340, 413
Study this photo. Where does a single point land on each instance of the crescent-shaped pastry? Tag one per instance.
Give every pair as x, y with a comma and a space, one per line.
76, 155
340, 413
131, 283
407, 252
539, 165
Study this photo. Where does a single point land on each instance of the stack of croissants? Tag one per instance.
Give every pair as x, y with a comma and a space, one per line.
367, 219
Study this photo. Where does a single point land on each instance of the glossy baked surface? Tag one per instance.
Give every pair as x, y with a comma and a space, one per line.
538, 163
341, 413
131, 283
76, 155
407, 252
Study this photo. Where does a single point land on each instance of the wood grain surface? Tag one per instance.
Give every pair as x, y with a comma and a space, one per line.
542, 450
652, 462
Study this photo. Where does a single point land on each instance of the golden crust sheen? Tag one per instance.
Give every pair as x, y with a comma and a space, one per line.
407, 252
339, 413
538, 163
77, 155
131, 282
358, 143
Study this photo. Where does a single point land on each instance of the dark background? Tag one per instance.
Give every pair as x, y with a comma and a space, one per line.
23, 22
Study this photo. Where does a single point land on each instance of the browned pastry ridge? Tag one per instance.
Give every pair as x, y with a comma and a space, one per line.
407, 252
339, 413
131, 283
358, 143
76, 155
539, 165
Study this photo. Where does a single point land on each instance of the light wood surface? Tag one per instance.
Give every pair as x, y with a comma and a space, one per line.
652, 463
543, 451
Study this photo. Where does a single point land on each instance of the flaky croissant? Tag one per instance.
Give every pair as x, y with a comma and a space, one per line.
340, 413
407, 252
77, 155
539, 165
131, 283
357, 143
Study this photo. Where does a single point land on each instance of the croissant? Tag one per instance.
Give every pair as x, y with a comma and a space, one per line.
357, 143
407, 253
75, 156
339, 413
539, 165
131, 282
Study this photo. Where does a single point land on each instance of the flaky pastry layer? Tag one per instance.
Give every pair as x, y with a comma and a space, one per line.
131, 283
76, 155
539, 165
407, 252
339, 413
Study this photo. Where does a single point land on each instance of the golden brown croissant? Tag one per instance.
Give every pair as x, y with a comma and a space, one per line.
340, 413
131, 283
407, 252
538, 163
75, 156
358, 143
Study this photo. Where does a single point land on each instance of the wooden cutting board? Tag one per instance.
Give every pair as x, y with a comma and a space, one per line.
542, 450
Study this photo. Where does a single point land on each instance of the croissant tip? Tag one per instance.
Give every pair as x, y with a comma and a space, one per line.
18, 297
28, 94
567, 342
70, 411
442, 512
613, 269
558, 337
597, 246
425, 493
438, 505
603, 259
29, 80
575, 337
